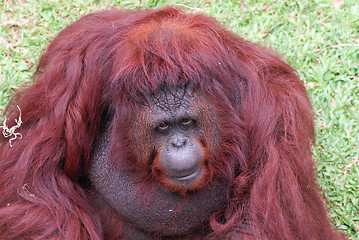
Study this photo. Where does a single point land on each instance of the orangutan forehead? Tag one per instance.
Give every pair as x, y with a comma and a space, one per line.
172, 100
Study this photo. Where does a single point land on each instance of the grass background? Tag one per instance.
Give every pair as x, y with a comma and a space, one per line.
319, 38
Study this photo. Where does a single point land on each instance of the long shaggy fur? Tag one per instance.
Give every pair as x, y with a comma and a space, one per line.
105, 62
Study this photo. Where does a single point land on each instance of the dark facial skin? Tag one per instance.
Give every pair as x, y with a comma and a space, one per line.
180, 130
173, 140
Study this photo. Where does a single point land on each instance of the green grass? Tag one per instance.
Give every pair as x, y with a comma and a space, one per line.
319, 40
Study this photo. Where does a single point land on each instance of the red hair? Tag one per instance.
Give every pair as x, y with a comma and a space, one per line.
107, 60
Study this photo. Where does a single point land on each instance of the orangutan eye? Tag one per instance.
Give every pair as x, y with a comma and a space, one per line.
163, 127
186, 123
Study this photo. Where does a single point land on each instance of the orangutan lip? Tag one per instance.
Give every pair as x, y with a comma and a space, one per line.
190, 176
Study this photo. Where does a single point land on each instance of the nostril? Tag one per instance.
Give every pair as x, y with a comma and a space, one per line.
179, 142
